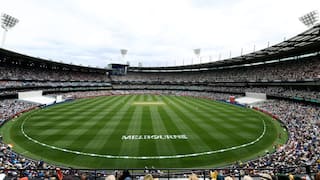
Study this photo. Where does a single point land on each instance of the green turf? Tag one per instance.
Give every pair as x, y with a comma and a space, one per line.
94, 128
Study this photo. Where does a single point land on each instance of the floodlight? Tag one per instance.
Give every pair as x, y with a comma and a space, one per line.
7, 22
123, 52
197, 52
310, 19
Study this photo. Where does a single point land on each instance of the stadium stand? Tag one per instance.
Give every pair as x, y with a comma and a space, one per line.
10, 108
24, 73
305, 68
287, 72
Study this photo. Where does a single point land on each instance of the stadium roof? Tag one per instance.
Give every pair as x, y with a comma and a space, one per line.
24, 59
301, 44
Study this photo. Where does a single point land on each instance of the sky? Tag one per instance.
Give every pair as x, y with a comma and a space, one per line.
155, 32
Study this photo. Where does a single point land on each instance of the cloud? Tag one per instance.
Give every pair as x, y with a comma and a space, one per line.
156, 33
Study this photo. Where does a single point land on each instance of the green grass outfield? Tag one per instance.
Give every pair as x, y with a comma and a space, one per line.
134, 131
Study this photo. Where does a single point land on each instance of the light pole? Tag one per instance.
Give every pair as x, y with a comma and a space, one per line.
197, 53
123, 54
7, 22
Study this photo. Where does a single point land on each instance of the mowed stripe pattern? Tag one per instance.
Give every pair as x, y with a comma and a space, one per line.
97, 126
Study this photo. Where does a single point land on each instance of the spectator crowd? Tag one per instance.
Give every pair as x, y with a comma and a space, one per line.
303, 147
278, 91
281, 71
27, 73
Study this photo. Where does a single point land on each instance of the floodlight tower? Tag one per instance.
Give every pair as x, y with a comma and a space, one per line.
7, 22
197, 53
123, 54
310, 18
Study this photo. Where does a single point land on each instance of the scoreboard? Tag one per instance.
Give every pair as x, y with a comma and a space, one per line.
118, 69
